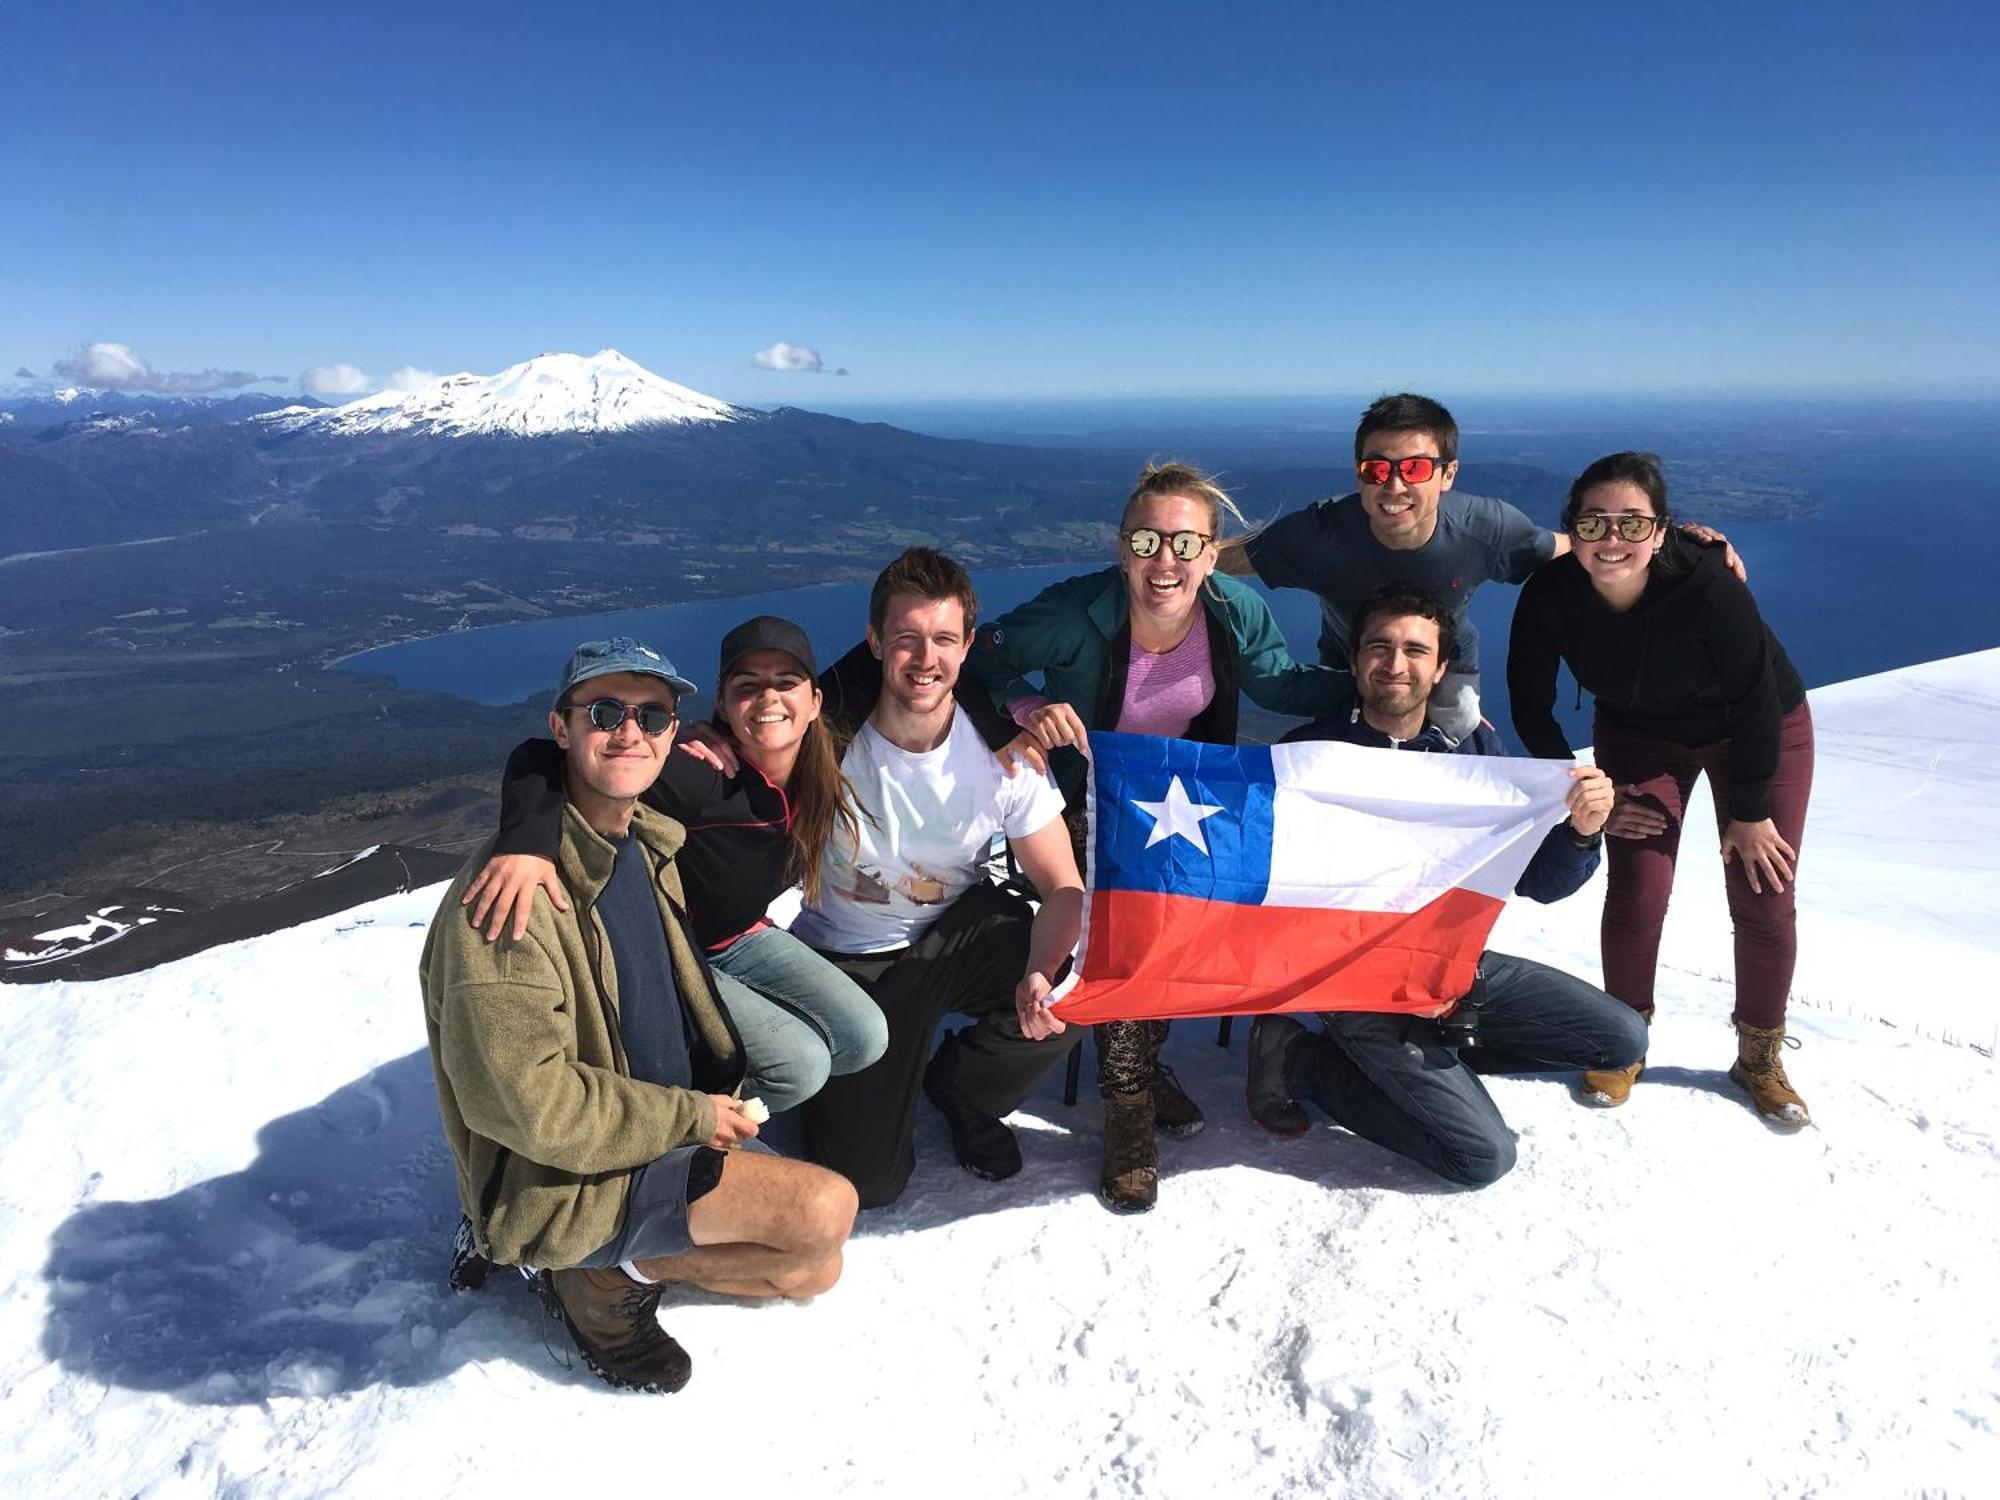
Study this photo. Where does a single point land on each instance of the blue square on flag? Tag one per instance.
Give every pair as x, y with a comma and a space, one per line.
1180, 818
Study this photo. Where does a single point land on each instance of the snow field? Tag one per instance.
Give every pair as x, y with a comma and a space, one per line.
225, 1215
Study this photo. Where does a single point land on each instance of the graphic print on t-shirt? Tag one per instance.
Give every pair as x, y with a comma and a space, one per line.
930, 818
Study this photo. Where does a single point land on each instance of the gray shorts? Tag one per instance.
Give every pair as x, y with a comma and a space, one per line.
656, 1205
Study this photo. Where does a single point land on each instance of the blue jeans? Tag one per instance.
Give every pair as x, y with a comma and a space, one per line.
801, 1019
1396, 1081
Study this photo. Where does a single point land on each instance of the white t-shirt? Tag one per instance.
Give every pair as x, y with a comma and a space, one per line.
933, 816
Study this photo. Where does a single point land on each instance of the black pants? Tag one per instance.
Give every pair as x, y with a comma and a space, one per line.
968, 961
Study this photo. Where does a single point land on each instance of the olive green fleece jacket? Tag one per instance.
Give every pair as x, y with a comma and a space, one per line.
541, 1115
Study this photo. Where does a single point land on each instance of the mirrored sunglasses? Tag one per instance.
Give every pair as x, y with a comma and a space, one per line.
1186, 545
1415, 469
1594, 526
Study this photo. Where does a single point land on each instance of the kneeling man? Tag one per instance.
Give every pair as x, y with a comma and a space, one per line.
587, 1071
1407, 1082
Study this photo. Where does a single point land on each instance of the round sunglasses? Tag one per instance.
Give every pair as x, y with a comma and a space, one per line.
1186, 545
608, 713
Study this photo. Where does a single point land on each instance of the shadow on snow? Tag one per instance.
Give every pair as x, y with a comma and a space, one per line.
319, 1268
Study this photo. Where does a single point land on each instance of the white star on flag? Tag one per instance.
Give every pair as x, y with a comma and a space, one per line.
1177, 815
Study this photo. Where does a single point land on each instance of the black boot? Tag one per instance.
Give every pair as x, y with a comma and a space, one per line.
1273, 1042
469, 1269
1174, 1113
985, 1147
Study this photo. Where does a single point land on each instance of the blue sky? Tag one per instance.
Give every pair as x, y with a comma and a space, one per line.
955, 200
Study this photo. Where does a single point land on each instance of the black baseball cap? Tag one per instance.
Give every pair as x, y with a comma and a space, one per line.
766, 633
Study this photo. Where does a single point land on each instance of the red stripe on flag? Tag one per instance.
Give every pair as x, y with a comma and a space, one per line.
1153, 956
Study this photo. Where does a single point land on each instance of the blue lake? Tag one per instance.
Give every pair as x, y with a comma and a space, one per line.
1901, 564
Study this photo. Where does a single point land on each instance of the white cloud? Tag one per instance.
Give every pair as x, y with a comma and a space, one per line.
796, 357
110, 366
335, 380
410, 378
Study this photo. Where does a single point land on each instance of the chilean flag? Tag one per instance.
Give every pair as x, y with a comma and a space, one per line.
1231, 880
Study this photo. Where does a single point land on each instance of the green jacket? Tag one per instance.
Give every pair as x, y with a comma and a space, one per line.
1078, 635
542, 1118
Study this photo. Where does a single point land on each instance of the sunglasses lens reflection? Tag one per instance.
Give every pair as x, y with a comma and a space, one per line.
1415, 470
607, 714
1143, 540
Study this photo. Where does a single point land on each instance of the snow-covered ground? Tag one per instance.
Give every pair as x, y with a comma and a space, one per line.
225, 1212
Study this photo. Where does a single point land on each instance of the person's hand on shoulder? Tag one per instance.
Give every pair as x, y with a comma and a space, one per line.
710, 746
1708, 536
506, 888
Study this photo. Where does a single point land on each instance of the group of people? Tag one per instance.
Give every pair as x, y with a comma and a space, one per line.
613, 1014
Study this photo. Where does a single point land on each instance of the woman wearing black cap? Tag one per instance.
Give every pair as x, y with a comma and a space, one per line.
751, 835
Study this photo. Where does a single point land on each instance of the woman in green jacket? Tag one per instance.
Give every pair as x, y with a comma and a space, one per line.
1158, 644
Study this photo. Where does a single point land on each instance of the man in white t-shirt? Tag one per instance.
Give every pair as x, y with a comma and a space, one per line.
910, 915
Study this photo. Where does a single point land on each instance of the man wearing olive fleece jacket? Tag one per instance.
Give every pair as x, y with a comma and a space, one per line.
587, 1072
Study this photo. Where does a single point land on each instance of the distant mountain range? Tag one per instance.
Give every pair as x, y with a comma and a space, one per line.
561, 447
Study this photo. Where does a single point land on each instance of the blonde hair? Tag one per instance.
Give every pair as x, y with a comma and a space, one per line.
1157, 480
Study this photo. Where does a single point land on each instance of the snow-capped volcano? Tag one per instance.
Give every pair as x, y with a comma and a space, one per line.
603, 392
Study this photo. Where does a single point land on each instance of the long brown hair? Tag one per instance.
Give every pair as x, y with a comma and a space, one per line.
823, 807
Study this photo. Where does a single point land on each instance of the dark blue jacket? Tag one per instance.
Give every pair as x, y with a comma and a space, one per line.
1560, 866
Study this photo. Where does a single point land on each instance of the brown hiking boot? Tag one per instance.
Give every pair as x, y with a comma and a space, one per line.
1131, 1182
615, 1325
1174, 1113
1607, 1088
1760, 1071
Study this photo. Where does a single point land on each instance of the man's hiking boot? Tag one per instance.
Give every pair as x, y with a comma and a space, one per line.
615, 1325
1131, 1182
1274, 1040
1174, 1113
469, 1269
985, 1147
1760, 1070
1607, 1088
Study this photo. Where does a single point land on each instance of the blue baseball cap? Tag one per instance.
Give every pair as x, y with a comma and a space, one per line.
620, 654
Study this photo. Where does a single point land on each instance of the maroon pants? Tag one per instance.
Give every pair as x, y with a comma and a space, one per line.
1641, 871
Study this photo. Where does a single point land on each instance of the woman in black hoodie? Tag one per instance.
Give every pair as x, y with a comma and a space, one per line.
1687, 679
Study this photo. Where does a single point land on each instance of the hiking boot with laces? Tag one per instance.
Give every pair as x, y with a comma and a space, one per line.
469, 1268
1174, 1113
1759, 1069
1131, 1182
984, 1147
615, 1325
1274, 1040
1607, 1088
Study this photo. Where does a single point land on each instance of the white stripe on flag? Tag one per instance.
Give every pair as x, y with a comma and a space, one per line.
1391, 830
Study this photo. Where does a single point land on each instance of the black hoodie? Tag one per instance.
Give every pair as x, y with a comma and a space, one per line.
1692, 663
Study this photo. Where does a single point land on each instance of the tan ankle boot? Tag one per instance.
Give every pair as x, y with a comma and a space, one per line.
1760, 1071
1607, 1088
615, 1324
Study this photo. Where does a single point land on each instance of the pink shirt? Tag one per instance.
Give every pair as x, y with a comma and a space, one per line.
1163, 693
